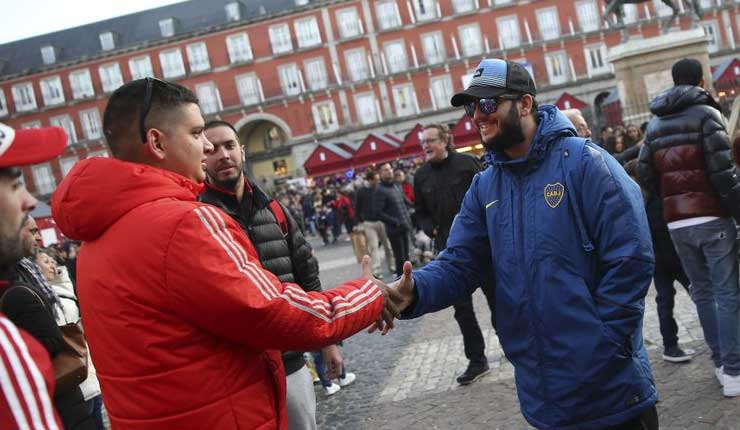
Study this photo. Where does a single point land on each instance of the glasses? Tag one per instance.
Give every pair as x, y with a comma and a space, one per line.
147, 104
429, 141
486, 106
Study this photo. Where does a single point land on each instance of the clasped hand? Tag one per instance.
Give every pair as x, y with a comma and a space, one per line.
397, 295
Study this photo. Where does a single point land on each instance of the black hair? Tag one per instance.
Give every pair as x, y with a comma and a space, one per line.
687, 71
10, 172
220, 123
122, 114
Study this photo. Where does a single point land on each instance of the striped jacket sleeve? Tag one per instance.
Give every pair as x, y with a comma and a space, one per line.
26, 382
215, 281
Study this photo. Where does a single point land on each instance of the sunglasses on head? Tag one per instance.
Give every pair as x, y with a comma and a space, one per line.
487, 106
147, 104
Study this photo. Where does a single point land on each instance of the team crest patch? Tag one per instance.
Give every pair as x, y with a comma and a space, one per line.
554, 194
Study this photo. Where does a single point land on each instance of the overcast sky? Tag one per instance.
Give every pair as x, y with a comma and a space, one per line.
21, 19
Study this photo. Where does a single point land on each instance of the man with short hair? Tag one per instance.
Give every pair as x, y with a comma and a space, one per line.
579, 122
373, 228
282, 250
28, 387
390, 207
543, 230
184, 323
440, 185
686, 159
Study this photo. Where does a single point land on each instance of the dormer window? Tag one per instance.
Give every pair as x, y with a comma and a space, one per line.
167, 27
233, 11
49, 54
301, 2
107, 41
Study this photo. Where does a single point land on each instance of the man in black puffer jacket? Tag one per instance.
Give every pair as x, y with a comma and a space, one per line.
281, 246
686, 159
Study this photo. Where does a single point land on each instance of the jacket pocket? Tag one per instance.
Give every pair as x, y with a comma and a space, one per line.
583, 235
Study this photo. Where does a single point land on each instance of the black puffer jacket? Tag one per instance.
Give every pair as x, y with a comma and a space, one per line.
687, 158
389, 206
289, 257
439, 189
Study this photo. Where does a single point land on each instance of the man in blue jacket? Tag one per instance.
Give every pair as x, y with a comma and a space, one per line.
556, 226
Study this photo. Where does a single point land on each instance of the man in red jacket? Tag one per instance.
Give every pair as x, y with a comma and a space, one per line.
26, 375
184, 323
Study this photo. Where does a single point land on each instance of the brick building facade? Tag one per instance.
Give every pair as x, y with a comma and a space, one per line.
294, 73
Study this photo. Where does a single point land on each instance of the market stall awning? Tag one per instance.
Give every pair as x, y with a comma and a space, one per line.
328, 158
377, 148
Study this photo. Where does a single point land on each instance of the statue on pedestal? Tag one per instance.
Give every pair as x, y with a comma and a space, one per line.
615, 7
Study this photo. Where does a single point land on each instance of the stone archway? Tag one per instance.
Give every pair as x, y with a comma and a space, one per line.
266, 139
599, 118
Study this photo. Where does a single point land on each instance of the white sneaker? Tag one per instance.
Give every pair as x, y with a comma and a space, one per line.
332, 389
731, 386
718, 374
348, 379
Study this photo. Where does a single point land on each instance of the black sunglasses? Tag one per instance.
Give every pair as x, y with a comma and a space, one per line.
487, 106
147, 104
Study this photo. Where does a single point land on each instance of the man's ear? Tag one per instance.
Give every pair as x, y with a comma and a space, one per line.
527, 101
155, 143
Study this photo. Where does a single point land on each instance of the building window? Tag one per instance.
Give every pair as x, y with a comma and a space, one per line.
548, 23
172, 65
462, 6
395, 55
52, 91
508, 31
90, 120
110, 77
557, 67
140, 67
65, 121
425, 9
596, 60
316, 73
24, 97
280, 39
301, 2
388, 14
67, 164
661, 9
239, 48
198, 57
107, 41
289, 79
349, 23
367, 108
325, 117
31, 124
631, 13
711, 30
44, 179
706, 4
49, 55
404, 98
357, 67
167, 27
588, 16
441, 91
470, 40
3, 104
81, 84
501, 2
434, 47
209, 98
307, 32
233, 11
248, 88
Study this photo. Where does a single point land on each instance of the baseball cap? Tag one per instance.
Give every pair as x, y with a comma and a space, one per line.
494, 77
30, 146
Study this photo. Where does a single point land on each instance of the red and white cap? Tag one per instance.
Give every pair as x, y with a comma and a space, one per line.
30, 146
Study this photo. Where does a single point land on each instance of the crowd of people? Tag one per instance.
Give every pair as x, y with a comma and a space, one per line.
200, 294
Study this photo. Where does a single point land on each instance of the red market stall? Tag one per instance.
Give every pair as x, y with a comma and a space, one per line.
411, 145
465, 133
377, 148
569, 101
726, 78
328, 158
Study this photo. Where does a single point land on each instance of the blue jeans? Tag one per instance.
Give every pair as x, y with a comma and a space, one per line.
708, 253
318, 361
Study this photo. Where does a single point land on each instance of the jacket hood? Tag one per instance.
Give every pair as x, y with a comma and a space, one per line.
679, 98
99, 191
553, 124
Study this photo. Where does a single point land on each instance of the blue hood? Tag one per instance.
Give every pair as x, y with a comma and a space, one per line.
552, 125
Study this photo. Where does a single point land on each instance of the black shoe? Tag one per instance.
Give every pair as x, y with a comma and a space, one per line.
473, 373
675, 354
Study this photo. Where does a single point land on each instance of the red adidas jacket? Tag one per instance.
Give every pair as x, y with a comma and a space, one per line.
183, 323
27, 381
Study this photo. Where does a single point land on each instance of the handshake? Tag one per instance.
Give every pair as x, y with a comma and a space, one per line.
397, 296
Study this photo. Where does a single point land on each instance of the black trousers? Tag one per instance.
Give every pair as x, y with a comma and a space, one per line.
664, 278
473, 342
400, 243
647, 420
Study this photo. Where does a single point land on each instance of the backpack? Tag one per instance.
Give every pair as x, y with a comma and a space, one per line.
279, 214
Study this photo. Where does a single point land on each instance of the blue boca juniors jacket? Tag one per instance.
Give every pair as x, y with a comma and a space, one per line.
566, 245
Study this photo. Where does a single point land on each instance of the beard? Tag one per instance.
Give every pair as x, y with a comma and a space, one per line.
227, 183
11, 249
509, 135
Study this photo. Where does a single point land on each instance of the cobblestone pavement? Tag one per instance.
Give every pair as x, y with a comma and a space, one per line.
406, 380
